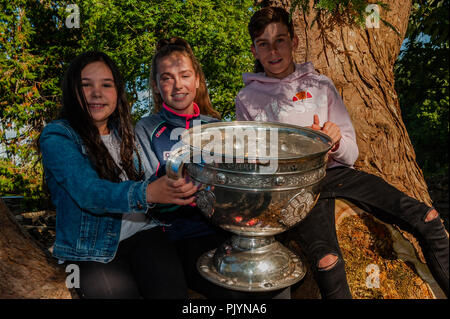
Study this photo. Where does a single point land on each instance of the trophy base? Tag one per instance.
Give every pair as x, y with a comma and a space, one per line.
251, 264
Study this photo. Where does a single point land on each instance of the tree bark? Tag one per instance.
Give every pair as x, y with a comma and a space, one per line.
25, 269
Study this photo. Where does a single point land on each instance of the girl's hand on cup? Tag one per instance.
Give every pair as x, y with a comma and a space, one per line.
169, 191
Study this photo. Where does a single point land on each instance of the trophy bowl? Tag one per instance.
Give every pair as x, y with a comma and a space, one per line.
256, 180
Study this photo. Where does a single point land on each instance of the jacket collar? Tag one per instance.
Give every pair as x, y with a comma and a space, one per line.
179, 120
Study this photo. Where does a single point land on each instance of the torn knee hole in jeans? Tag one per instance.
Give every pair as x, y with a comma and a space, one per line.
431, 215
328, 262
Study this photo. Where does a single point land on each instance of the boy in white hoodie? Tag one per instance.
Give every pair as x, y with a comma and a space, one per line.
282, 91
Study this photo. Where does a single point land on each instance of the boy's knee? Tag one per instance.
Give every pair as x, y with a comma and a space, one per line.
328, 262
432, 214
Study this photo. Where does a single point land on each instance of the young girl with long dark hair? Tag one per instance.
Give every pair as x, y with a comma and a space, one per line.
94, 174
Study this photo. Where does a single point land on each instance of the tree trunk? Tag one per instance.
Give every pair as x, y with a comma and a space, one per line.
25, 270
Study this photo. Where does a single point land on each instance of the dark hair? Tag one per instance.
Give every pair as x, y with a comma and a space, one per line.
75, 110
166, 47
261, 19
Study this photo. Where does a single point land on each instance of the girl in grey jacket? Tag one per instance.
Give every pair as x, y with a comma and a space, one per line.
181, 101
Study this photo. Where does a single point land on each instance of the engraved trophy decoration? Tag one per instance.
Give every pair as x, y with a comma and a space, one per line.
257, 179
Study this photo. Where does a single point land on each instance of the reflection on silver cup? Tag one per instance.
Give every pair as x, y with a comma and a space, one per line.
258, 180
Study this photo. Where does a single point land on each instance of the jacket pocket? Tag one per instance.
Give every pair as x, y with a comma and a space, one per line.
88, 232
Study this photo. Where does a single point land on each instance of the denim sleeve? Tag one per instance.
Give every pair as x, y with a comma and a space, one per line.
72, 171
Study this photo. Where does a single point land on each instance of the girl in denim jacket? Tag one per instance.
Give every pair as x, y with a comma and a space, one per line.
282, 91
94, 173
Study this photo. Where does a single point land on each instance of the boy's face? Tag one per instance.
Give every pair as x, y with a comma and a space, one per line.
274, 49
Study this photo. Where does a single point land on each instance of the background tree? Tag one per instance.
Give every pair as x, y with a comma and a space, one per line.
37, 41
36, 45
422, 80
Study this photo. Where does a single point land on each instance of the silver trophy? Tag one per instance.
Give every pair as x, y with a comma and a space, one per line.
257, 179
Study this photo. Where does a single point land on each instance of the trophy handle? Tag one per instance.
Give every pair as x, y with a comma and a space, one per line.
206, 201
176, 161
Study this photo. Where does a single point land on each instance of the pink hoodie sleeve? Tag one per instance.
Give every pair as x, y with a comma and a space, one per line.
347, 153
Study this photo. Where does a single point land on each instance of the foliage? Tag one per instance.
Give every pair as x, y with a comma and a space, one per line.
27, 92
23, 181
36, 45
422, 82
429, 17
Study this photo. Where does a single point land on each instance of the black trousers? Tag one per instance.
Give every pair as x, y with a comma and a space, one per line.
317, 232
146, 265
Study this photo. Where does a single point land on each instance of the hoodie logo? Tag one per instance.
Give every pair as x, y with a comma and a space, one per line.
302, 96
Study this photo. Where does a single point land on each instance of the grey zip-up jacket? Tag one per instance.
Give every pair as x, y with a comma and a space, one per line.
157, 134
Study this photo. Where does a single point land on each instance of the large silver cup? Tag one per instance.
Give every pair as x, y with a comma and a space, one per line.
257, 179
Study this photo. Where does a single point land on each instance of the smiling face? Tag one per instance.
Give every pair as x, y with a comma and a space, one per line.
177, 82
100, 92
274, 49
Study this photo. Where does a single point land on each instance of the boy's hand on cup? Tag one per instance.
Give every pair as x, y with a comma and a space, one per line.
168, 191
329, 128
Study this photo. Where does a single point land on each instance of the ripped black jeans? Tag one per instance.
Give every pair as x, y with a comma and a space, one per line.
317, 232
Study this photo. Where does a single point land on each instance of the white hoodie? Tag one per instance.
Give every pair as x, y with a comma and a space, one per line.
294, 100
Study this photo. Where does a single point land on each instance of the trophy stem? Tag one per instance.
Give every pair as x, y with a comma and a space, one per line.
251, 263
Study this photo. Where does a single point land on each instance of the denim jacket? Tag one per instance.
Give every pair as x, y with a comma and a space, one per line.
89, 209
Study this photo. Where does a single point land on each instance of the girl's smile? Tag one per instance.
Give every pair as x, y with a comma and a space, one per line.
179, 97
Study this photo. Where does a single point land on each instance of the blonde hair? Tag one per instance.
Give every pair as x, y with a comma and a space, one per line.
166, 47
